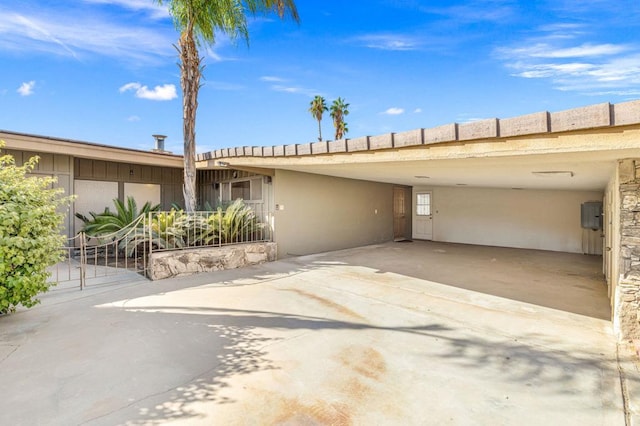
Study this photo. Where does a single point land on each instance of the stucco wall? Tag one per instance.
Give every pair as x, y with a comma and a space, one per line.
535, 219
321, 213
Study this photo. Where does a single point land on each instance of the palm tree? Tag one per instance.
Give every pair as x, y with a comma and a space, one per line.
338, 111
317, 107
197, 21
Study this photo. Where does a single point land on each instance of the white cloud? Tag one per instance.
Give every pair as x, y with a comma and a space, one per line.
393, 111
26, 89
56, 32
543, 50
397, 42
165, 92
417, 110
279, 86
295, 90
271, 78
574, 65
476, 11
154, 9
133, 118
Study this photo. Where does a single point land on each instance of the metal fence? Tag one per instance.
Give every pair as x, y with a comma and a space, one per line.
176, 229
89, 259
98, 259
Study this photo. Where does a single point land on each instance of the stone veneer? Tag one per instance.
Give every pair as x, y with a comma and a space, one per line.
167, 264
627, 296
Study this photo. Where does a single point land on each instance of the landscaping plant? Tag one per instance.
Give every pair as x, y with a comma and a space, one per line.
109, 222
237, 223
31, 219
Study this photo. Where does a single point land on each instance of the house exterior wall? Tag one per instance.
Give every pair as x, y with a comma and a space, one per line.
316, 213
55, 165
169, 178
67, 170
534, 219
209, 185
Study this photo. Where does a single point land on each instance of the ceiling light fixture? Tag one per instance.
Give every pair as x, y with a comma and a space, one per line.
554, 173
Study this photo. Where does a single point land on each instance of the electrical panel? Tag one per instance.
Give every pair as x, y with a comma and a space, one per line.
591, 215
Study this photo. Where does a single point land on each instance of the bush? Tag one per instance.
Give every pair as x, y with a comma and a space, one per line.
30, 239
237, 223
108, 222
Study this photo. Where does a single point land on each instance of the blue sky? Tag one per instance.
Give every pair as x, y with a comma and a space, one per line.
105, 70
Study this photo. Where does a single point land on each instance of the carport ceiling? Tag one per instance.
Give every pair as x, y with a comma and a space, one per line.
590, 171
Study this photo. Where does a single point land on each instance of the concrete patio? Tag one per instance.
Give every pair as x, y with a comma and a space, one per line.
400, 333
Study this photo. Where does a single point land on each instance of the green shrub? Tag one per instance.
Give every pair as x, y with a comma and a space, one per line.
167, 231
30, 239
237, 223
108, 222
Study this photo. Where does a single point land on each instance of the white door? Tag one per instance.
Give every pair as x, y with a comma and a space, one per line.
423, 218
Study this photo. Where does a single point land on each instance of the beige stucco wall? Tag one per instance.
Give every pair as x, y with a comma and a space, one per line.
535, 219
321, 213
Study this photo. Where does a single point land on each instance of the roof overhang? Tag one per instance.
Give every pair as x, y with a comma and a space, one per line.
43, 144
571, 150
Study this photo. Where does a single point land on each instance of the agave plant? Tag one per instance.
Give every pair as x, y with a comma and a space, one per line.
168, 229
237, 223
108, 222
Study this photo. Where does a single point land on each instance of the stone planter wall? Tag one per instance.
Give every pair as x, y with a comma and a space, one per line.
169, 264
627, 297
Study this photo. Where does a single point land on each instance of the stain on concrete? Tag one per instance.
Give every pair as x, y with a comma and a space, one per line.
365, 361
294, 413
328, 303
284, 411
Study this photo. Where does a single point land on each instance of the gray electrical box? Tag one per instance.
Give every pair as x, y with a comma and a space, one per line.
591, 215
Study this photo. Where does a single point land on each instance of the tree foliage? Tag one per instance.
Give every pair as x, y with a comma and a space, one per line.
30, 238
338, 112
197, 21
317, 108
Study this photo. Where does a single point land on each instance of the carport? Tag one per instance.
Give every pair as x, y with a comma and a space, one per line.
519, 182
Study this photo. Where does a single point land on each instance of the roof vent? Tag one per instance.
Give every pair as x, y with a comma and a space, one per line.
159, 143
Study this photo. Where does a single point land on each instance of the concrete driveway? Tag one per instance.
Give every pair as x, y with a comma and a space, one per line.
396, 334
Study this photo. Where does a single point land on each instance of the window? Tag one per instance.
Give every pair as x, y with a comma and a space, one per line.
241, 189
225, 191
247, 190
423, 204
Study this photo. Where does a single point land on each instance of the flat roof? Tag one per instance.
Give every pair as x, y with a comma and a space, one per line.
544, 123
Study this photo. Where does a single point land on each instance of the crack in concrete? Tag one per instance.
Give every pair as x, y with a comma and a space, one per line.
15, 348
623, 388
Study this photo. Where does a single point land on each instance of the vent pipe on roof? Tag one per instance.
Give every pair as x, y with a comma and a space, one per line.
159, 143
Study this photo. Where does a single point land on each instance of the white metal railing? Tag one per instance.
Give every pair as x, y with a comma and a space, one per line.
88, 257
175, 229
127, 250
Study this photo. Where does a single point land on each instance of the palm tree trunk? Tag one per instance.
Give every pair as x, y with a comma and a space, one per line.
319, 132
190, 73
